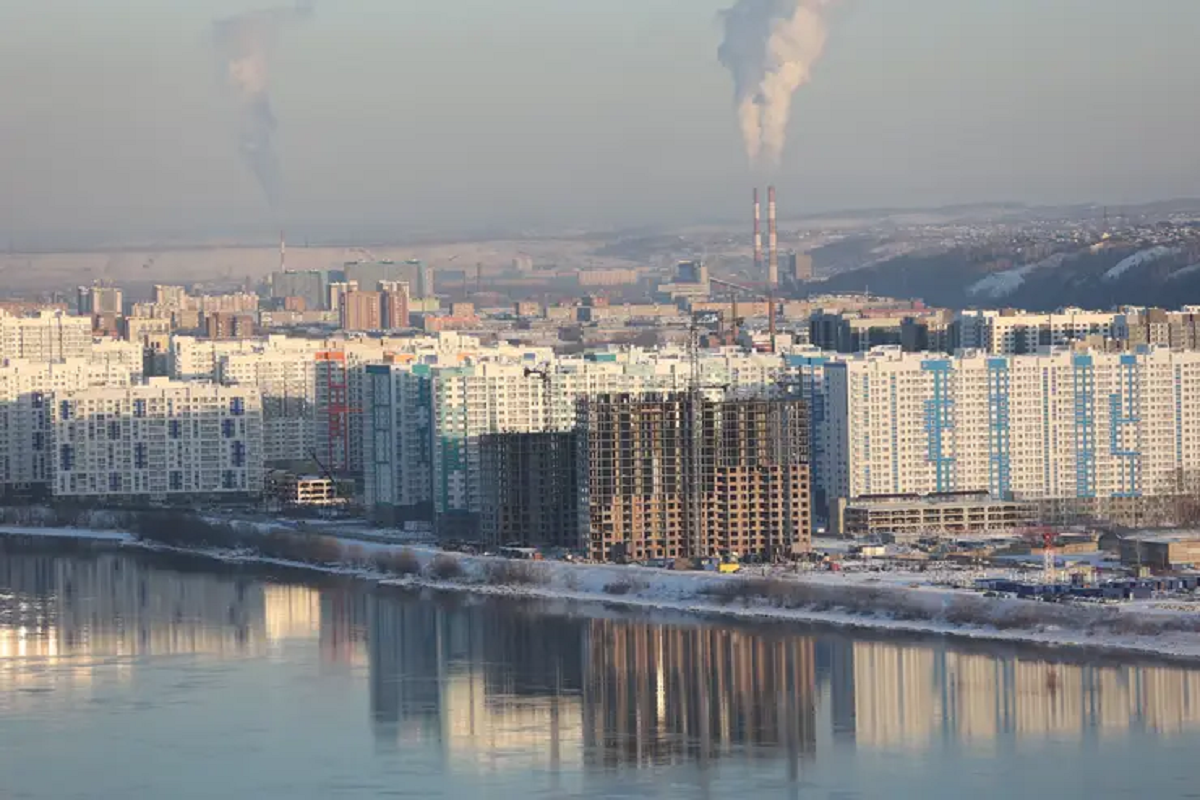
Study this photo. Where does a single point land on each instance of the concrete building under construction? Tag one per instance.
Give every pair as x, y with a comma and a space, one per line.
676, 475
530, 489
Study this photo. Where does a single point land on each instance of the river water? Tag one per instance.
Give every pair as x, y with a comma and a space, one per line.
135, 676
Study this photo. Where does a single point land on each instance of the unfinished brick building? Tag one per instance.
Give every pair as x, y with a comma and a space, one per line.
678, 475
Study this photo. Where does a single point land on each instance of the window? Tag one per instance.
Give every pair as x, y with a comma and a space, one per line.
67, 457
229, 480
239, 454
237, 406
114, 430
64, 410
227, 428
176, 429
114, 482
38, 399
139, 408
39, 441
176, 481
139, 456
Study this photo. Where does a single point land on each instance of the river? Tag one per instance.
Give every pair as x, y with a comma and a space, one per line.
141, 676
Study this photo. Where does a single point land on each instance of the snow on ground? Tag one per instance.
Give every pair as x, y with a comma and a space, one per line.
1180, 273
1140, 258
1002, 284
66, 533
929, 602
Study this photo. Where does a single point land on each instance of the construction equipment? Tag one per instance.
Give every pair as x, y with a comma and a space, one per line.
544, 373
326, 472
769, 296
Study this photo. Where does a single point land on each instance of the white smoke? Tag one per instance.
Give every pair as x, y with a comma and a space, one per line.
770, 48
245, 43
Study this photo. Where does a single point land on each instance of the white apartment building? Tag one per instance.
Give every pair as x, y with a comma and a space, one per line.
160, 439
286, 380
1070, 425
119, 354
26, 393
46, 336
1020, 332
200, 359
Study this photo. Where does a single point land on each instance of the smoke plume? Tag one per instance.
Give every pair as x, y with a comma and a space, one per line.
245, 43
770, 47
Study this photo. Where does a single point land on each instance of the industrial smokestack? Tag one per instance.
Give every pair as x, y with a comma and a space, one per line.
772, 240
245, 44
770, 47
758, 245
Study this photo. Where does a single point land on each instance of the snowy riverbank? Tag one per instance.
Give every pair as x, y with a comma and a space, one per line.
852, 601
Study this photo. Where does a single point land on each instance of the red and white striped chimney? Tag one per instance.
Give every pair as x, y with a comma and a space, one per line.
772, 240
758, 244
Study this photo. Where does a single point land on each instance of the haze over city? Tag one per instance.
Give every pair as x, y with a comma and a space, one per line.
534, 114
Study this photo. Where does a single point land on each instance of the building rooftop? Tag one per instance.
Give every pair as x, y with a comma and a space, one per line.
1165, 537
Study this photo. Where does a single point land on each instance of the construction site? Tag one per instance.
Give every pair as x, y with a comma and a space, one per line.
682, 476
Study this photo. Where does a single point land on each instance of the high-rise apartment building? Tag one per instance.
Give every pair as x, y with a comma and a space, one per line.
1062, 425
370, 274
157, 440
395, 300
230, 325
531, 488
1020, 332
99, 299
170, 296
398, 456
27, 391
800, 267
678, 475
1178, 330
286, 381
337, 291
362, 311
309, 284
45, 336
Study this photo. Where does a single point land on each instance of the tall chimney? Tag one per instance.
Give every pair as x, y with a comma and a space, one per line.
758, 248
282, 253
772, 240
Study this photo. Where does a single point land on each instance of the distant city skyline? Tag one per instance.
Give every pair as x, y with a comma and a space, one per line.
414, 116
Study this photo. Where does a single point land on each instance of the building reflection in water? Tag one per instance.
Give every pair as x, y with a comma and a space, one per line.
485, 681
73, 615
488, 678
505, 685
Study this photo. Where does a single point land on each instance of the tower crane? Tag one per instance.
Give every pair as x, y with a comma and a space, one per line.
769, 297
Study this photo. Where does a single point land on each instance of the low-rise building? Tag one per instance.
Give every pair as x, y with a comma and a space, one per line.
311, 491
935, 515
1162, 549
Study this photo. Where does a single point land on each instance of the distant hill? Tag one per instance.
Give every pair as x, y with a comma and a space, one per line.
1103, 276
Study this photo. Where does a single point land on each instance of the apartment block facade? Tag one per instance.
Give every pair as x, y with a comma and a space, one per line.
1012, 332
160, 440
45, 336
27, 391
1061, 425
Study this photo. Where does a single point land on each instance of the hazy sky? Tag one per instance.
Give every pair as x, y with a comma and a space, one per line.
463, 113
